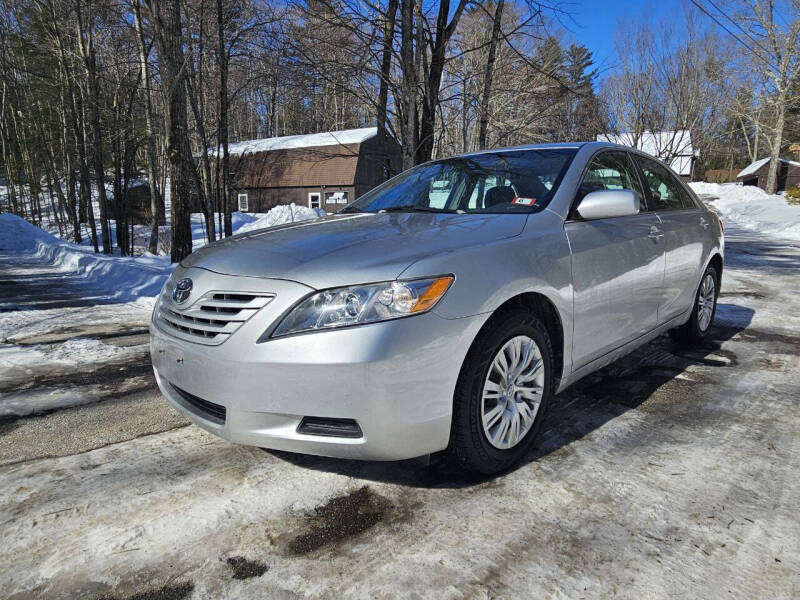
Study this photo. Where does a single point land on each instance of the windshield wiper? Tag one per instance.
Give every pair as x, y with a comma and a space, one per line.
414, 208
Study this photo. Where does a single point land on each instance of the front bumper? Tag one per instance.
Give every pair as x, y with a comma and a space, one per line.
395, 379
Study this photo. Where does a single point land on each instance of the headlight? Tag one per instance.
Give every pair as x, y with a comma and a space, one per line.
359, 304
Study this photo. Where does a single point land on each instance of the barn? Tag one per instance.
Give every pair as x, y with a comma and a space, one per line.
673, 147
756, 174
137, 202
319, 170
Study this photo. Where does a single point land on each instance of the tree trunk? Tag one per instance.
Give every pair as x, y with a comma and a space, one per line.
156, 204
775, 155
69, 174
86, 181
409, 84
86, 44
222, 55
386, 65
169, 39
430, 100
204, 191
488, 75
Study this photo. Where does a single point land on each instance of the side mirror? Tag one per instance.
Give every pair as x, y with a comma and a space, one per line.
605, 204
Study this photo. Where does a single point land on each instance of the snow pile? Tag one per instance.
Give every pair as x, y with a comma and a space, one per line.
19, 235
752, 208
279, 215
124, 279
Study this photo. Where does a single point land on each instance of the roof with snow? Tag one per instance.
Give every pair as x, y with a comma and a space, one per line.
311, 140
755, 166
672, 146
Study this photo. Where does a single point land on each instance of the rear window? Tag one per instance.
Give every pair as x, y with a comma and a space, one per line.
492, 182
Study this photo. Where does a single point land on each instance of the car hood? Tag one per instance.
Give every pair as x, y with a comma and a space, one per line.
351, 248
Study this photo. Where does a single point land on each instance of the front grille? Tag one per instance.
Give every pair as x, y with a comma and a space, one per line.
208, 410
211, 319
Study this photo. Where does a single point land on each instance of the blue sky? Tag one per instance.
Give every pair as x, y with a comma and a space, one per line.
593, 22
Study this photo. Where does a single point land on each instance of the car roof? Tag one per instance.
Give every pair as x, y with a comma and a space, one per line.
561, 145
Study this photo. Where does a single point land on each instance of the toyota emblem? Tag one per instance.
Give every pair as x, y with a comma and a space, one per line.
182, 290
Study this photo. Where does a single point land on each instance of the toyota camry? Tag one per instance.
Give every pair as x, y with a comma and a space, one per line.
442, 310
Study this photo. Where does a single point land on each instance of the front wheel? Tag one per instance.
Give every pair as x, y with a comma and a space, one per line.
696, 329
503, 390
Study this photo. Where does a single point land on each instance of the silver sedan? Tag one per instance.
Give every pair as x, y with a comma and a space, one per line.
441, 310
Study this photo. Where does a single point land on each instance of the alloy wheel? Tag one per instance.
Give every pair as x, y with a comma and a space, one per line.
512, 392
705, 302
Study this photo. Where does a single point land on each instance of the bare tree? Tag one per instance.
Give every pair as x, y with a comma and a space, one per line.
156, 206
488, 73
85, 35
769, 32
165, 16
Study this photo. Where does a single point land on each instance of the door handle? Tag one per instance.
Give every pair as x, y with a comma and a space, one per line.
655, 233
704, 224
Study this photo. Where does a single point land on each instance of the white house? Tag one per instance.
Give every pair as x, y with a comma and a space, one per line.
673, 147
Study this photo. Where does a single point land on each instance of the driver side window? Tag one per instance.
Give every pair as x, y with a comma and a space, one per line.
611, 171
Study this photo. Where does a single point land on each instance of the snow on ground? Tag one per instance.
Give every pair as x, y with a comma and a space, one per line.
42, 377
119, 296
127, 278
752, 208
123, 279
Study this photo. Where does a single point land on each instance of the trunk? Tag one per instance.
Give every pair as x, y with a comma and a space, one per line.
774, 159
464, 116
204, 191
169, 39
86, 45
222, 54
11, 185
156, 206
386, 65
69, 175
409, 84
120, 208
72, 110
488, 75
54, 209
757, 139
86, 189
430, 100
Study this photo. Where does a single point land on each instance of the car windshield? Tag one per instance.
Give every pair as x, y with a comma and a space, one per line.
507, 181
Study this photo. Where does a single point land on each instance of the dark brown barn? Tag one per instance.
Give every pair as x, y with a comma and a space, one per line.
757, 173
137, 201
319, 170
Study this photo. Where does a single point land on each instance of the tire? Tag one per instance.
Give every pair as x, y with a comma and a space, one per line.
469, 441
696, 329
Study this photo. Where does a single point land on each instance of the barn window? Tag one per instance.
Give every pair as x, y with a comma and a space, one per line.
243, 204
313, 200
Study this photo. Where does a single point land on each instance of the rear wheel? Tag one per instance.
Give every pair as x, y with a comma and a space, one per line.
705, 307
502, 393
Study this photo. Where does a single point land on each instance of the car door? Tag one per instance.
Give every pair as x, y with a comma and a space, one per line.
617, 264
685, 228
